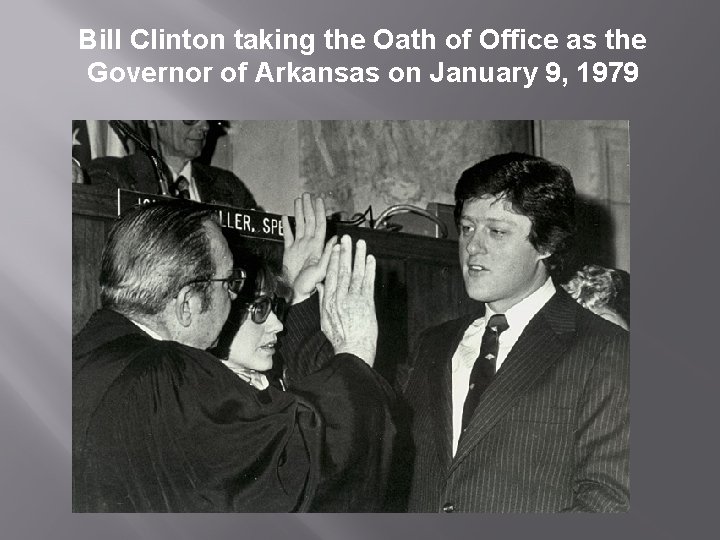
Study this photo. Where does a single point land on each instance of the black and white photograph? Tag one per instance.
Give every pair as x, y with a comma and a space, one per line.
381, 292
406, 316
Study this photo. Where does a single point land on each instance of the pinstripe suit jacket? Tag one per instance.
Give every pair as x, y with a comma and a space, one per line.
551, 432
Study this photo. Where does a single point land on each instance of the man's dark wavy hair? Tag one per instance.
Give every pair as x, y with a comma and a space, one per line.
536, 188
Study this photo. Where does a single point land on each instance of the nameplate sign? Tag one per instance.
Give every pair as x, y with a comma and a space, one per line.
247, 222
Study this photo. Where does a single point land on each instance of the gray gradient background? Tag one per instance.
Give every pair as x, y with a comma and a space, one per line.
674, 138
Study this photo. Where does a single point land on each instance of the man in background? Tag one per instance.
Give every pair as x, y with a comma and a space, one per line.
178, 143
523, 407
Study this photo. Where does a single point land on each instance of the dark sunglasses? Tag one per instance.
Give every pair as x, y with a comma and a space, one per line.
261, 307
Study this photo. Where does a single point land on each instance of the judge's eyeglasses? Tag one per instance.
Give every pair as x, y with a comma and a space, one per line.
233, 283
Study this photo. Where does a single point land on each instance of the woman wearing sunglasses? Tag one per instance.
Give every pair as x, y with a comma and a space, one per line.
318, 388
249, 340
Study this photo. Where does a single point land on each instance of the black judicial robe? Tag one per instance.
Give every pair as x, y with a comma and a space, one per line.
162, 427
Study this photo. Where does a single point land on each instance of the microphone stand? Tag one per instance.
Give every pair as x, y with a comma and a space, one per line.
126, 131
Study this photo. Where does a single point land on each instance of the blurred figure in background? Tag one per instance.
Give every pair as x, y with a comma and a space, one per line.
177, 143
604, 291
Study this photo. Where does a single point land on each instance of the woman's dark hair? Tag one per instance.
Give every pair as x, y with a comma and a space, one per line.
536, 188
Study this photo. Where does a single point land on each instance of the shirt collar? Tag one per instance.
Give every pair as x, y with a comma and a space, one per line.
521, 313
149, 332
186, 171
250, 376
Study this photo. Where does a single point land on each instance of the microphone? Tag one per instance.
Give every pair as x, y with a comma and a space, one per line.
126, 131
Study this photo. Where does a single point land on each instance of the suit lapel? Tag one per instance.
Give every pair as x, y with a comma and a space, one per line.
440, 378
143, 174
202, 183
540, 345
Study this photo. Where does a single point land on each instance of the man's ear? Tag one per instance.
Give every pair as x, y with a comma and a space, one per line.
188, 303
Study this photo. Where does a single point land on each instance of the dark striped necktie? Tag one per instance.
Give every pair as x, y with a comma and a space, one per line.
181, 188
483, 370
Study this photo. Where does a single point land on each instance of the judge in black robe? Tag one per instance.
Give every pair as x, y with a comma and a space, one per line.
162, 427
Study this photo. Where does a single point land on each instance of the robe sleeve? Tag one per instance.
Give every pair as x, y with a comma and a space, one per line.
303, 348
356, 405
161, 427
177, 431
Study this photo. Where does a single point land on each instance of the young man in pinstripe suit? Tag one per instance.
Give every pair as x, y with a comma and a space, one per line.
546, 429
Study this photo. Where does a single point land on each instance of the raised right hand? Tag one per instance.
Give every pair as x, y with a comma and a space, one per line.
304, 259
347, 314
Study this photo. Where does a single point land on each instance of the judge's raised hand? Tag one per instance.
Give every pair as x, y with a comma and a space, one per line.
304, 259
347, 314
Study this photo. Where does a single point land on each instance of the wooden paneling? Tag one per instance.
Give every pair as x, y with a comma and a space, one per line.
92, 215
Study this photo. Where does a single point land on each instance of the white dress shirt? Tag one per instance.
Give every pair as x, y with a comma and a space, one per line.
467, 352
250, 376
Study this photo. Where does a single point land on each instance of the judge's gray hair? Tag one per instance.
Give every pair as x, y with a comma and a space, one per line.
151, 253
